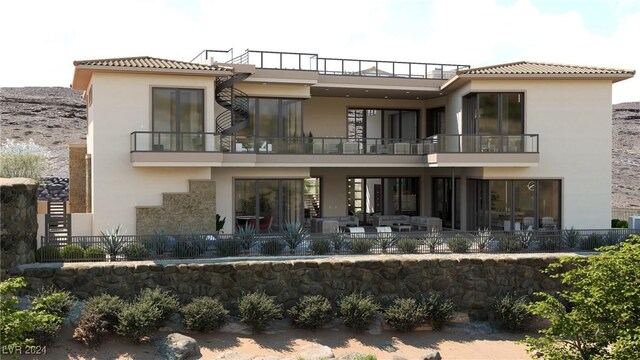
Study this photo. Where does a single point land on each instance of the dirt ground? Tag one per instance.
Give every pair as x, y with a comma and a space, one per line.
452, 343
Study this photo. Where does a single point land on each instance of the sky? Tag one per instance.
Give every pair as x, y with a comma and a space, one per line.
42, 38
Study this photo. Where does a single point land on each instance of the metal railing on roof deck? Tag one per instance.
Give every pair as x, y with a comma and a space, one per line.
279, 60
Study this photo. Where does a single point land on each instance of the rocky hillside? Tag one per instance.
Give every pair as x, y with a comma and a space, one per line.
54, 117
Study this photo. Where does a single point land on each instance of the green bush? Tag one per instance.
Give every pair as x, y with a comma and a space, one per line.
361, 245
437, 310
405, 314
357, 311
591, 242
619, 224
191, 247
623, 224
52, 301
72, 252
511, 312
138, 320
602, 321
48, 253
136, 251
409, 245
22, 159
549, 243
258, 310
18, 327
98, 317
509, 244
160, 243
320, 246
204, 314
228, 247
459, 243
311, 312
94, 253
271, 247
339, 241
166, 303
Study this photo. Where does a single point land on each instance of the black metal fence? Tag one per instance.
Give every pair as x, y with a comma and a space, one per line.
207, 246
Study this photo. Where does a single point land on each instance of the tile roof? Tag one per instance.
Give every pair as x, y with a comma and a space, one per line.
537, 68
147, 62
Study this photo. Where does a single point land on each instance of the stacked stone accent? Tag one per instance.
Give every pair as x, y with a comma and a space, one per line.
181, 213
471, 282
78, 178
18, 221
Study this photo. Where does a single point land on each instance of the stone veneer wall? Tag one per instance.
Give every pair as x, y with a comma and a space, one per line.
181, 213
470, 281
78, 178
18, 221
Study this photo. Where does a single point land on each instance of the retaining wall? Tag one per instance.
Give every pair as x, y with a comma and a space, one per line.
471, 281
18, 221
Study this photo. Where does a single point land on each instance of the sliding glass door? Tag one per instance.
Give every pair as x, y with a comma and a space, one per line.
382, 196
177, 119
268, 204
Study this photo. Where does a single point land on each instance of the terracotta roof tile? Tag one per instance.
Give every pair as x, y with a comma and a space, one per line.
147, 62
536, 68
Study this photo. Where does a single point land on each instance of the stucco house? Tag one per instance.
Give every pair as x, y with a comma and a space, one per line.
273, 137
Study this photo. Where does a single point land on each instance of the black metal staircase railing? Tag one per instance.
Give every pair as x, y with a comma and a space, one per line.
237, 104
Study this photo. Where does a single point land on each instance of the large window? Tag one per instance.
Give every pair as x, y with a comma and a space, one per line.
442, 204
386, 124
382, 196
493, 113
274, 118
178, 119
514, 204
268, 204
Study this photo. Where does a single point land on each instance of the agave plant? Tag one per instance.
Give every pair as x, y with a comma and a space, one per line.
293, 235
433, 238
483, 237
247, 236
112, 242
386, 241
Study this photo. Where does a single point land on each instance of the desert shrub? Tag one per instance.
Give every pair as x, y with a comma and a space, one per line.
311, 312
339, 241
228, 247
591, 242
602, 321
320, 246
433, 239
258, 310
18, 327
107, 306
405, 314
48, 253
613, 237
438, 311
293, 234
166, 303
511, 312
524, 237
386, 241
409, 245
204, 314
72, 252
509, 244
483, 238
94, 253
357, 311
459, 243
22, 159
619, 224
160, 243
246, 235
271, 247
361, 245
52, 301
623, 224
112, 241
571, 238
548, 243
138, 319
183, 250
136, 251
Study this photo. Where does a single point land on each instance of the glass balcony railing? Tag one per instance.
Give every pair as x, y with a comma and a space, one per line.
455, 143
146, 141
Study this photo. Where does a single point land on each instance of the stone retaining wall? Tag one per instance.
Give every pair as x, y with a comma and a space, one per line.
470, 281
18, 221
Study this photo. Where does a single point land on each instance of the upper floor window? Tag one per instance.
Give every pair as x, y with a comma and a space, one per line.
385, 124
177, 118
274, 118
493, 113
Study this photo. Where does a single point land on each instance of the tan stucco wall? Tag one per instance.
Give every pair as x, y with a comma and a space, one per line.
573, 119
121, 105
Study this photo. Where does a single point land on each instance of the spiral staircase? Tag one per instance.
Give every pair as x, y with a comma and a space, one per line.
236, 103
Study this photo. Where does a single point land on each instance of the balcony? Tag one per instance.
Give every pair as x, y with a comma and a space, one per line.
482, 150
213, 149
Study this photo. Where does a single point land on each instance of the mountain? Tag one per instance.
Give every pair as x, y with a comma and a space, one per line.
56, 116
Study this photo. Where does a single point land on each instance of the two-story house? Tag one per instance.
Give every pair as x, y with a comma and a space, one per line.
275, 137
